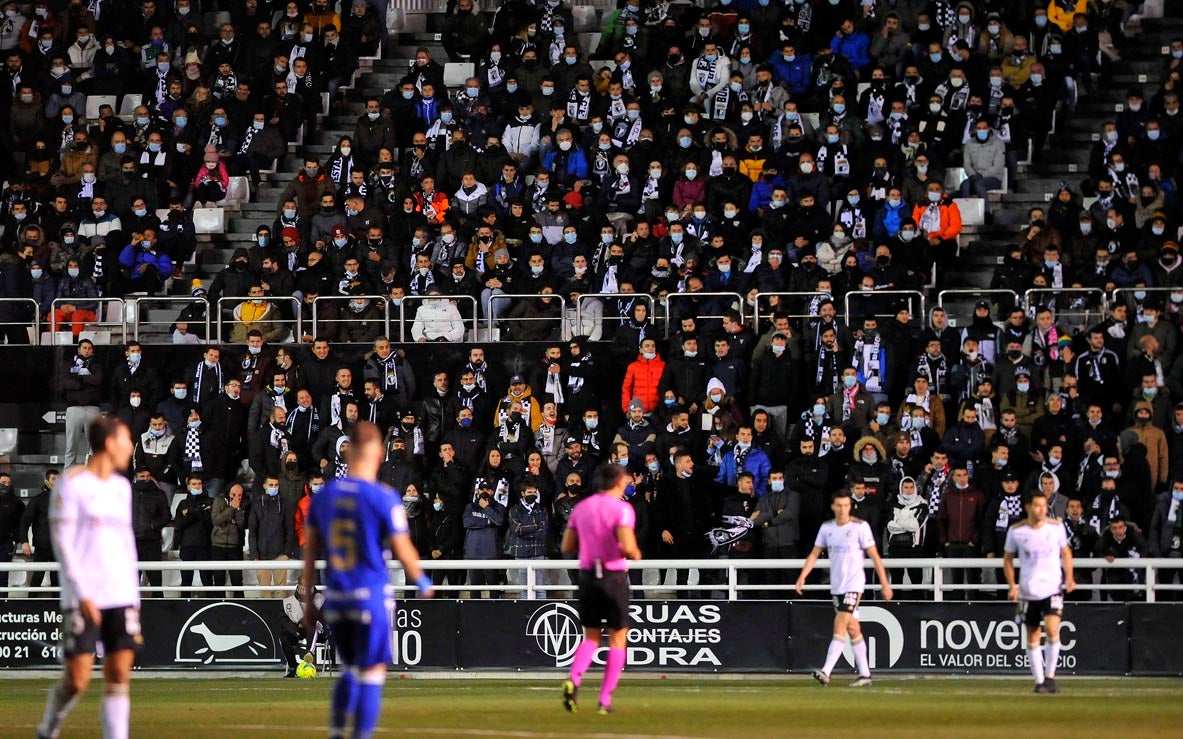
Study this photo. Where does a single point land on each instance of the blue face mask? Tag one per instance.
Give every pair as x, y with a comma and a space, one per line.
570, 237
881, 419
849, 382
465, 422
119, 148
982, 135
935, 58
536, 238
1176, 495
676, 238
831, 138
670, 402
272, 492
182, 121
195, 491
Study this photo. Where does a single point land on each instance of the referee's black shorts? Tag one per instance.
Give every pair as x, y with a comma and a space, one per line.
603, 601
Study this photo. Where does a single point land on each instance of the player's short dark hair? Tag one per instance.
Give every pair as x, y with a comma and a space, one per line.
607, 476
101, 429
51, 471
840, 493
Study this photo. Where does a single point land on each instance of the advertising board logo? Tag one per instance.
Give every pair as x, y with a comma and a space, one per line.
892, 632
555, 629
225, 633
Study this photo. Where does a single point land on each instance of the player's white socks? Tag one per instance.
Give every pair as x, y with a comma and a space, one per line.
860, 657
58, 705
837, 644
115, 711
1035, 654
1051, 655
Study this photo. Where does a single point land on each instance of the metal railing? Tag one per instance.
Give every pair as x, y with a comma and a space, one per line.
402, 311
876, 296
1067, 302
760, 297
646, 298
970, 295
298, 321
543, 578
670, 298
1128, 295
343, 316
34, 319
137, 305
103, 321
502, 297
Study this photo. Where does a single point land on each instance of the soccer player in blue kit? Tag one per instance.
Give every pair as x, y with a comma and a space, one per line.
351, 523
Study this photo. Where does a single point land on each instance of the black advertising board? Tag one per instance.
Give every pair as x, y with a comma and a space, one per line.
666, 635
30, 633
963, 637
1155, 645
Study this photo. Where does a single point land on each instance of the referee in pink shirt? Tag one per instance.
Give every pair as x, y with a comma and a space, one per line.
600, 529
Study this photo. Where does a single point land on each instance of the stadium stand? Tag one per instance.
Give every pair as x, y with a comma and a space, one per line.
680, 221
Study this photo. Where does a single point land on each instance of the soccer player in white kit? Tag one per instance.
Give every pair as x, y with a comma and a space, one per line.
1045, 573
846, 541
90, 518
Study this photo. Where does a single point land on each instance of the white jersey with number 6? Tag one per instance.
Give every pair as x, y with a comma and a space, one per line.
845, 546
91, 523
1040, 573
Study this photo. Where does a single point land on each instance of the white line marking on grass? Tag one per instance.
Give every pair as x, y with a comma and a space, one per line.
424, 731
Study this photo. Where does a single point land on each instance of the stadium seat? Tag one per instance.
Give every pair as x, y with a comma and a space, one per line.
586, 19
57, 338
455, 73
954, 176
812, 119
973, 211
209, 220
94, 102
101, 337
8, 441
589, 41
129, 104
239, 191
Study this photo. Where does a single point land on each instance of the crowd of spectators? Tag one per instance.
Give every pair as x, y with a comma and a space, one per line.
734, 150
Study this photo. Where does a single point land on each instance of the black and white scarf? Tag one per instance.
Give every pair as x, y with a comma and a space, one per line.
389, 369
867, 358
579, 105
1009, 511
161, 86
706, 72
193, 448
827, 367
936, 488
246, 139
200, 376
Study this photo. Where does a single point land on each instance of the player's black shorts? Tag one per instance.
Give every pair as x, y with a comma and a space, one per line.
603, 601
847, 602
1031, 612
119, 628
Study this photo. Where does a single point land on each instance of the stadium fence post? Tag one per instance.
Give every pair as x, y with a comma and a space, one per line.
938, 582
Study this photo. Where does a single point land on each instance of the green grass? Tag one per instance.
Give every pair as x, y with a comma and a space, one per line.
673, 709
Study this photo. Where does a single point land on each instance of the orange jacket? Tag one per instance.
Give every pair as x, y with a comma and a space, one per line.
640, 381
950, 218
301, 518
436, 210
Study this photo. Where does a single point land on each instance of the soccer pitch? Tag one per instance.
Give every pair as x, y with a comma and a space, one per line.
751, 708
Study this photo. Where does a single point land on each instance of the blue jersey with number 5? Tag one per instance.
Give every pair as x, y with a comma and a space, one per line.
355, 520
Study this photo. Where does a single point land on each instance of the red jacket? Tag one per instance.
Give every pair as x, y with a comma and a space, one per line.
640, 381
960, 515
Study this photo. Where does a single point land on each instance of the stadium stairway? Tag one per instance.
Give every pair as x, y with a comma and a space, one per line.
1067, 152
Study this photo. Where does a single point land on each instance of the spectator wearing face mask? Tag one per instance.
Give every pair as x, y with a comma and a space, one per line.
272, 535
150, 514
193, 524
